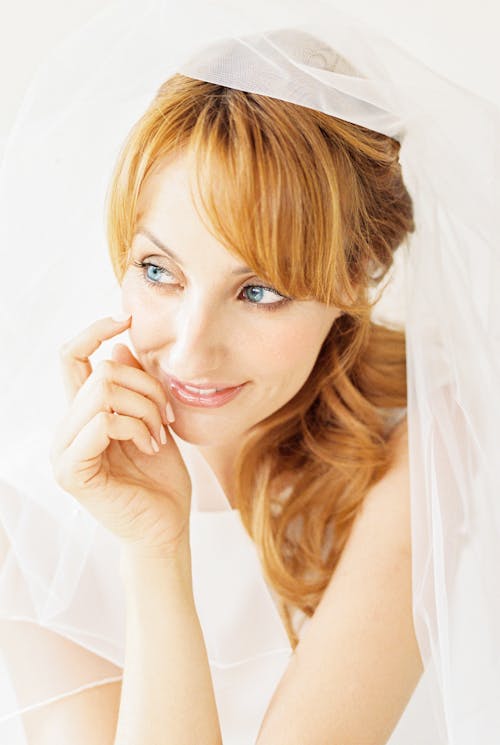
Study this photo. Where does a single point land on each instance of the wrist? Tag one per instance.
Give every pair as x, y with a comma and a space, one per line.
157, 548
139, 562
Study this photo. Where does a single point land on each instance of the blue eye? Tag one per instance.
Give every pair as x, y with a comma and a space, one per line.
156, 272
151, 273
257, 292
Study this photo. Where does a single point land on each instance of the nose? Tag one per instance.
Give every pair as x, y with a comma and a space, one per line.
199, 338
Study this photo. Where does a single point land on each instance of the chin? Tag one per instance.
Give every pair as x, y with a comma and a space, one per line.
198, 431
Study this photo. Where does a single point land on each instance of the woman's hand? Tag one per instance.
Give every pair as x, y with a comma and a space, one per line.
102, 451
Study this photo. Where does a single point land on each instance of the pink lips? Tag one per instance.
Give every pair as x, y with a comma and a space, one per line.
204, 400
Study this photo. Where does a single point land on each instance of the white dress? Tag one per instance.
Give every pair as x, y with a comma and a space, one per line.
58, 637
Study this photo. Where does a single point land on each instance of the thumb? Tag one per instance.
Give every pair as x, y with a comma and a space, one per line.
121, 353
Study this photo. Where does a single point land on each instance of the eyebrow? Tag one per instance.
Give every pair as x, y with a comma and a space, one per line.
144, 231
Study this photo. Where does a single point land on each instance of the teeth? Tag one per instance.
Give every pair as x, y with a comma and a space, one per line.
201, 391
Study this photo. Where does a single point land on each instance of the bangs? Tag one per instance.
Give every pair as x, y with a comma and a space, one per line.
313, 204
260, 191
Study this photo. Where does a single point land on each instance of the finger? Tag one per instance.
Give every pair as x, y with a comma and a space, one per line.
89, 400
104, 394
133, 376
121, 353
74, 354
93, 440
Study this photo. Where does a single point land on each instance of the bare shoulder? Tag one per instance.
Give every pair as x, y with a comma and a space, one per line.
387, 505
358, 662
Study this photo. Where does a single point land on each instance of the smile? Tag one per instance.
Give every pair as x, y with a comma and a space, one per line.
206, 398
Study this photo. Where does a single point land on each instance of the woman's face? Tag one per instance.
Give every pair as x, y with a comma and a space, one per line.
204, 318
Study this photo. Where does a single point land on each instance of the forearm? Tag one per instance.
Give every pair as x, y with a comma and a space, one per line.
167, 693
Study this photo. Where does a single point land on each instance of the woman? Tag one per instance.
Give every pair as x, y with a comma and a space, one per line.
314, 370
246, 234
309, 386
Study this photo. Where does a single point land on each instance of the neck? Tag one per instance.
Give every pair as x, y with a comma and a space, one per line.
221, 461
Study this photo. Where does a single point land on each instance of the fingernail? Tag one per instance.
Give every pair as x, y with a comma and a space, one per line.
155, 445
163, 435
170, 412
120, 317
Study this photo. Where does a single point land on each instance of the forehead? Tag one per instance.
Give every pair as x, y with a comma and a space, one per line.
169, 182
167, 217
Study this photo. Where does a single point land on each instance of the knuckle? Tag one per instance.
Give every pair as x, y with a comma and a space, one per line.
103, 419
104, 369
152, 409
105, 388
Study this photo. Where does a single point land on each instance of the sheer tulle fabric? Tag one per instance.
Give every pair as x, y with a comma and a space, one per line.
61, 602
78, 642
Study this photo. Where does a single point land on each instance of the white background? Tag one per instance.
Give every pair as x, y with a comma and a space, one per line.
459, 39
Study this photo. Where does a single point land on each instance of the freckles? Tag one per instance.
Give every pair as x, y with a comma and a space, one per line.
298, 347
299, 339
283, 350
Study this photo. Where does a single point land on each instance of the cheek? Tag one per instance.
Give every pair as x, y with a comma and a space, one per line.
291, 352
144, 332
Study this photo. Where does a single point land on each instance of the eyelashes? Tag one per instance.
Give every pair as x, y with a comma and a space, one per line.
143, 267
